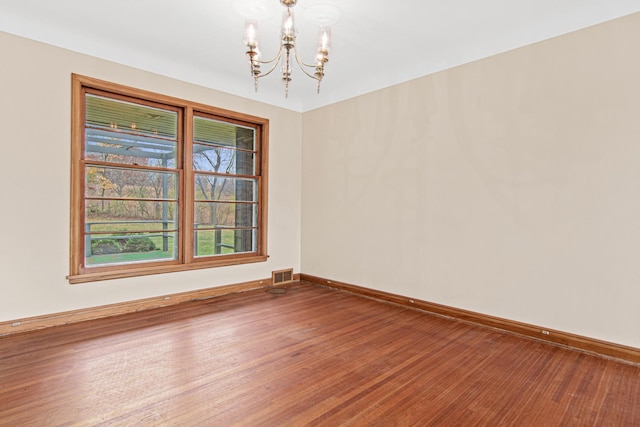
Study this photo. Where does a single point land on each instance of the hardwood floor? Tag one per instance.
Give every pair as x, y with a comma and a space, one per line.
311, 356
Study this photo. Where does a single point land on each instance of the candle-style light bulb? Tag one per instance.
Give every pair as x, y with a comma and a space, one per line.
251, 33
324, 40
288, 24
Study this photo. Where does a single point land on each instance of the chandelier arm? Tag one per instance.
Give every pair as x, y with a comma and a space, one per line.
303, 65
275, 58
300, 62
275, 61
273, 67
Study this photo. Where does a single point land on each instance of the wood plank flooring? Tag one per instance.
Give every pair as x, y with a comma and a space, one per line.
311, 356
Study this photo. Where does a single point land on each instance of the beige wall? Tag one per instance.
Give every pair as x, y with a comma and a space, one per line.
509, 186
35, 106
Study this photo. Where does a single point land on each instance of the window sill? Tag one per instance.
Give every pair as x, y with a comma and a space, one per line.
161, 269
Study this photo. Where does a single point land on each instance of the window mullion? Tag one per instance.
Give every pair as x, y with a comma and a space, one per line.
188, 186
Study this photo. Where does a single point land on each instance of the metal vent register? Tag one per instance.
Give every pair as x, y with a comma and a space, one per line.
280, 277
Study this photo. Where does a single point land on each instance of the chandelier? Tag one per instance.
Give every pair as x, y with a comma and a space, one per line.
286, 50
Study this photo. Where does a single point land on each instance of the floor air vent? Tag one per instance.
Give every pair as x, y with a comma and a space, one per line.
282, 276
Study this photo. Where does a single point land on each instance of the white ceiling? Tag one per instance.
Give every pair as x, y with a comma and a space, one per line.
375, 43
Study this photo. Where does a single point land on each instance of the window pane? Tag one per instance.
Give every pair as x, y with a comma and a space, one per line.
210, 187
129, 215
224, 148
126, 248
211, 158
221, 242
130, 183
123, 132
213, 132
208, 214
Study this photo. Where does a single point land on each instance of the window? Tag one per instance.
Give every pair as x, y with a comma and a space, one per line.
160, 184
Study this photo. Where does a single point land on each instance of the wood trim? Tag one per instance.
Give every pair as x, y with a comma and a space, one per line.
186, 110
262, 136
171, 101
77, 179
164, 268
11, 327
187, 201
577, 342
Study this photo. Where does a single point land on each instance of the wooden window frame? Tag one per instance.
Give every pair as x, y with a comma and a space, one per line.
186, 259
